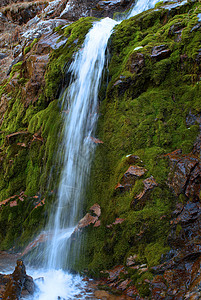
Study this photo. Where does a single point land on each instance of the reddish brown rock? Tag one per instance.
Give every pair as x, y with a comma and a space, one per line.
86, 221
96, 209
34, 67
149, 184
129, 178
117, 221
95, 140
16, 282
13, 203
134, 171
124, 285
185, 174
3, 105
97, 223
114, 273
22, 12
97, 8
131, 260
41, 238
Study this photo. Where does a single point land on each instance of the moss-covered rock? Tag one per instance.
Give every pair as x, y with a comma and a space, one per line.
30, 129
154, 85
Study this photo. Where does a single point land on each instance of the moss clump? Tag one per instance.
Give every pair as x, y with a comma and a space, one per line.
28, 48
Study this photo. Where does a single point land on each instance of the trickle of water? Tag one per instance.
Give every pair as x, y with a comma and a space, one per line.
141, 6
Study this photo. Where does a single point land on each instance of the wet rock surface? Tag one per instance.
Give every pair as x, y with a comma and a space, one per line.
13, 286
185, 174
129, 178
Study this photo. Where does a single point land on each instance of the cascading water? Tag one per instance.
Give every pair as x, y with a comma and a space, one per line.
81, 101
81, 104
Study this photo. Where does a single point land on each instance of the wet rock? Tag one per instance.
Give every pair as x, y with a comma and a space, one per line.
109, 7
96, 141
41, 238
129, 178
192, 119
174, 5
185, 175
35, 68
133, 172
114, 273
41, 27
17, 281
96, 209
4, 101
123, 285
55, 8
21, 13
136, 63
160, 52
29, 284
86, 221
149, 184
17, 50
97, 223
14, 62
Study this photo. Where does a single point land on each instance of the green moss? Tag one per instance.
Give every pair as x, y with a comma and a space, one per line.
28, 48
61, 58
153, 252
144, 113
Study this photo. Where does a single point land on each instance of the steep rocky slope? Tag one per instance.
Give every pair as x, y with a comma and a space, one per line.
145, 179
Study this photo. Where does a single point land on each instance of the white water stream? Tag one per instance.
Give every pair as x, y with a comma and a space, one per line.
81, 103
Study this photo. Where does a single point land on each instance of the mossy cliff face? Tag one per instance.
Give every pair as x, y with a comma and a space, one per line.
151, 108
30, 130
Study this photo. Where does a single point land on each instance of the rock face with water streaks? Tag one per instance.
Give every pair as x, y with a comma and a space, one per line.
141, 230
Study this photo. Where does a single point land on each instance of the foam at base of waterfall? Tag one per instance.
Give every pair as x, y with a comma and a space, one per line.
52, 284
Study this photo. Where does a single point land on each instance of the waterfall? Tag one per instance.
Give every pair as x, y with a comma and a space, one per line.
80, 101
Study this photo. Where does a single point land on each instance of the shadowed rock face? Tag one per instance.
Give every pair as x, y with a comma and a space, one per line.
79, 8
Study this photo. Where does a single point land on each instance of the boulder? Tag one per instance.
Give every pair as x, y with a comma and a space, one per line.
17, 281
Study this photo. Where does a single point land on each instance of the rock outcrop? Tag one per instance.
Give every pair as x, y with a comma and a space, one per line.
18, 283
